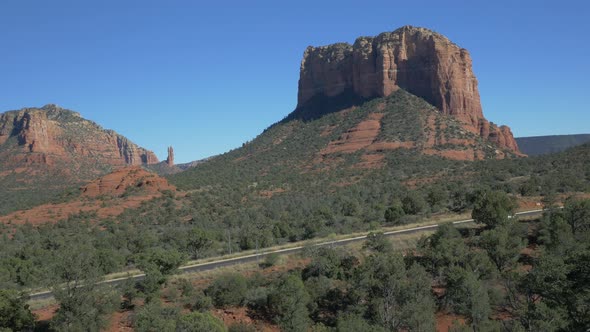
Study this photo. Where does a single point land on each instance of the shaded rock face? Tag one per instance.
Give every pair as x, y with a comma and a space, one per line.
417, 60
52, 134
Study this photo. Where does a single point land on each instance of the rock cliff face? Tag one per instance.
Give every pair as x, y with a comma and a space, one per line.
417, 60
170, 159
46, 150
52, 134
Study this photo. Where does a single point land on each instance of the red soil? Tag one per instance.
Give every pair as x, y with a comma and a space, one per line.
444, 321
231, 316
103, 196
270, 193
455, 154
359, 137
45, 314
120, 321
382, 146
371, 161
530, 203
115, 184
364, 135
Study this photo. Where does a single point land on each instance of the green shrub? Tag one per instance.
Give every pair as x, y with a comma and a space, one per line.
271, 260
242, 327
228, 290
14, 313
202, 302
393, 214
413, 203
493, 208
198, 321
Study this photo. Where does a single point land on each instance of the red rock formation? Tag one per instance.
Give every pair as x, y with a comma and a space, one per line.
55, 134
108, 196
122, 180
501, 136
434, 141
361, 136
170, 159
418, 60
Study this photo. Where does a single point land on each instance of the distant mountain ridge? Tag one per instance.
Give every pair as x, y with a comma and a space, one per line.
538, 145
44, 150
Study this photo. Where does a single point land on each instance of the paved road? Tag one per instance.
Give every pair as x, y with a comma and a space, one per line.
255, 257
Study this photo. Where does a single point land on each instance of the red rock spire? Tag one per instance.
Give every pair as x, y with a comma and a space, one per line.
170, 159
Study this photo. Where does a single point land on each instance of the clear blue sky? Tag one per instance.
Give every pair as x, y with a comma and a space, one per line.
206, 76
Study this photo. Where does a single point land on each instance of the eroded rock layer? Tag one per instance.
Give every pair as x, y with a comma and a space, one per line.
417, 60
52, 134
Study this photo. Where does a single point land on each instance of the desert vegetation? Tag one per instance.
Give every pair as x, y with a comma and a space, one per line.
505, 275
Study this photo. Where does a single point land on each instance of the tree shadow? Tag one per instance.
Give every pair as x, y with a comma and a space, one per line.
42, 326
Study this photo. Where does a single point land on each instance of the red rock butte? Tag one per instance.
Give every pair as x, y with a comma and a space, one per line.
418, 60
52, 134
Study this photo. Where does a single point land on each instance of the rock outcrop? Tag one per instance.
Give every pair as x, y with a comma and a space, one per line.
46, 150
170, 159
129, 180
417, 60
51, 134
107, 196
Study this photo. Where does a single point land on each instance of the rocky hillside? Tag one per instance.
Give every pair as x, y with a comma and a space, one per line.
374, 105
394, 137
107, 196
51, 134
44, 150
418, 60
